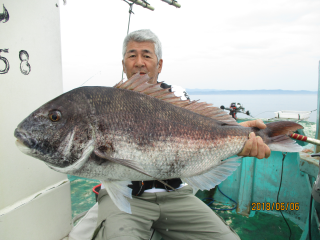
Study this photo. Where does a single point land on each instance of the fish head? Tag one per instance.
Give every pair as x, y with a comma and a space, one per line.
58, 132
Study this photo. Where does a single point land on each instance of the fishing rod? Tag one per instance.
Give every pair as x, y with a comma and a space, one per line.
90, 78
305, 139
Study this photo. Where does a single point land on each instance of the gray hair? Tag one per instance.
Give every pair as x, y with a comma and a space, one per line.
143, 35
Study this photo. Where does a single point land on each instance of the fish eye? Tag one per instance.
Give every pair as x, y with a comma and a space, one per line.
55, 116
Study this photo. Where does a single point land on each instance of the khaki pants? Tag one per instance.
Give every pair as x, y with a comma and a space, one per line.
175, 215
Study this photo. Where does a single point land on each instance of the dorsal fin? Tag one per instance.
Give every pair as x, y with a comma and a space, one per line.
140, 83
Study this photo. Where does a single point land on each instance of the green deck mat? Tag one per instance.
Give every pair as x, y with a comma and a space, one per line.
82, 197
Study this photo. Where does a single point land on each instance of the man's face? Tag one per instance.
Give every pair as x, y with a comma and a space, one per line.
141, 57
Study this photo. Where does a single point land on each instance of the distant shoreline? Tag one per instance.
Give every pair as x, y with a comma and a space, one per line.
217, 92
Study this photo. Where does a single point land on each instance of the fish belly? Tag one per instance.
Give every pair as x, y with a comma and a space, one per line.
164, 160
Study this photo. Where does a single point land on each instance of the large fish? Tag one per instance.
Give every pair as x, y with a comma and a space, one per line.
139, 131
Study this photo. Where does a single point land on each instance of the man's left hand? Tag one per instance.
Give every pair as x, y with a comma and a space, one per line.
255, 147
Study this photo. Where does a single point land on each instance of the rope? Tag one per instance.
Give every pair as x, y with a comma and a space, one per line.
284, 155
262, 112
221, 209
310, 219
130, 11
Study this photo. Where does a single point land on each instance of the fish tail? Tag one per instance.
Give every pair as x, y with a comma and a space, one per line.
276, 136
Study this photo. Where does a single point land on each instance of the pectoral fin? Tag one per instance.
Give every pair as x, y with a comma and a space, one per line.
215, 176
128, 163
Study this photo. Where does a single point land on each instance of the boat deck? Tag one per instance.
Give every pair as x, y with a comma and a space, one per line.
260, 226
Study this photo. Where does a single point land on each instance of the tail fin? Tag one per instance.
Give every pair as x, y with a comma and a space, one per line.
278, 136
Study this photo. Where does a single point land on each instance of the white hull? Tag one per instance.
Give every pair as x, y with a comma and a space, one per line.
35, 201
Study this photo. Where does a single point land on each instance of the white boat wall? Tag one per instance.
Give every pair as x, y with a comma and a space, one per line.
299, 115
34, 200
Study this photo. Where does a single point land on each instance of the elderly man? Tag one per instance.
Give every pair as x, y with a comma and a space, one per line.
175, 215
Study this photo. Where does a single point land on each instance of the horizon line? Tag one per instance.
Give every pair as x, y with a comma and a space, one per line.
206, 90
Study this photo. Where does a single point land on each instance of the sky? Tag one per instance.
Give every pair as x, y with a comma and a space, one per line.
206, 44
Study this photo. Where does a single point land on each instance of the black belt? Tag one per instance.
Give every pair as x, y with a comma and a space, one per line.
138, 187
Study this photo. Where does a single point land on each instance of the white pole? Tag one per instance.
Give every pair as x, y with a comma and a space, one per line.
143, 4
171, 2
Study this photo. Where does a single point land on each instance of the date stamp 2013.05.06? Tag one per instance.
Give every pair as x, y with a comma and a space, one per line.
257, 206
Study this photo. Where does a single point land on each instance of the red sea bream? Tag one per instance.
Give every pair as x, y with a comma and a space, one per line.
139, 131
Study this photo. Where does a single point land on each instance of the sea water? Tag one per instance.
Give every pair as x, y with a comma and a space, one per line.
264, 105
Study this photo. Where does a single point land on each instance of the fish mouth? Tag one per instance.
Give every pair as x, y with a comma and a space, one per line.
22, 139
23, 148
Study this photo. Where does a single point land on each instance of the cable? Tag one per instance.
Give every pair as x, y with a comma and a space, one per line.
130, 11
223, 209
284, 155
262, 112
310, 211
